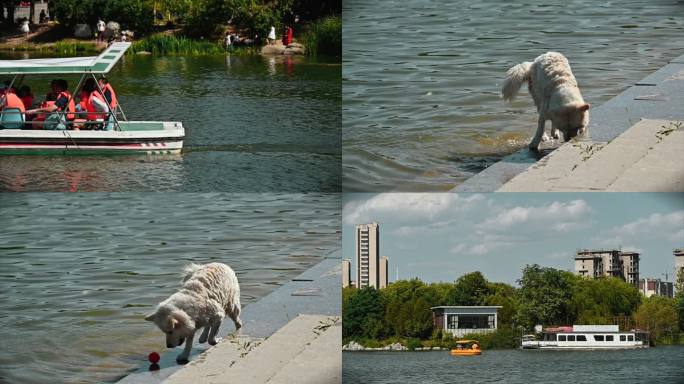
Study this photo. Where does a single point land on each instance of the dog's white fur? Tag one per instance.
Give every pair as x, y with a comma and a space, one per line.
556, 95
208, 293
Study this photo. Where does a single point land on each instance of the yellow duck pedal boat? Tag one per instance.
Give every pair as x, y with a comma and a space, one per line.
466, 348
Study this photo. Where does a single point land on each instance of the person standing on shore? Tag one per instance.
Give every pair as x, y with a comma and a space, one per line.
271, 36
25, 27
100, 30
228, 41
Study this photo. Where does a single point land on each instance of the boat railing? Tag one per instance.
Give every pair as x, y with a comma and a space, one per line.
110, 115
80, 119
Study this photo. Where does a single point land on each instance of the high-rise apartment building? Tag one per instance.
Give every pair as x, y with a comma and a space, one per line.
367, 255
596, 263
384, 271
346, 273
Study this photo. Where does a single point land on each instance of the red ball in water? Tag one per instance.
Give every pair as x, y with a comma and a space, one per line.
153, 357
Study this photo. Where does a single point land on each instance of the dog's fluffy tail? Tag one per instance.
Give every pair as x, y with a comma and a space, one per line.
515, 77
189, 270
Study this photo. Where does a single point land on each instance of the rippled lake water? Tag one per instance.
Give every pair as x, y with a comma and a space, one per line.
253, 124
422, 78
78, 272
660, 364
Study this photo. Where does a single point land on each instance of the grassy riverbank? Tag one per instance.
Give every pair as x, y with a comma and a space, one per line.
501, 339
63, 47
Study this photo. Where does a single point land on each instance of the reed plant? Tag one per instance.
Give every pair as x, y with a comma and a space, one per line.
323, 37
162, 44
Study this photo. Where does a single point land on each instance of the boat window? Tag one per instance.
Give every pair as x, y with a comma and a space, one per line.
623, 338
630, 337
581, 338
571, 337
561, 337
609, 338
598, 337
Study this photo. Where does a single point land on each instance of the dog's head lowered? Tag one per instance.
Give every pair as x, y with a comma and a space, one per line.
573, 120
174, 322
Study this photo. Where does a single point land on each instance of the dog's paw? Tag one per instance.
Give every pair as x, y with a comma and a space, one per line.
202, 339
182, 360
214, 341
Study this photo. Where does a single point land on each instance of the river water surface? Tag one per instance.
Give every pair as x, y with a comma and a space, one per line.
422, 78
78, 272
653, 365
253, 124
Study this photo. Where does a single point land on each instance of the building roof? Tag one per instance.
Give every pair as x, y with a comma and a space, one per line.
70, 65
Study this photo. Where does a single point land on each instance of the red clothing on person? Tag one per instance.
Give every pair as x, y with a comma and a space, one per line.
28, 101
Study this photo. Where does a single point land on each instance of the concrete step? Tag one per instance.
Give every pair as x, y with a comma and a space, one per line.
641, 159
326, 351
607, 165
259, 361
549, 170
661, 170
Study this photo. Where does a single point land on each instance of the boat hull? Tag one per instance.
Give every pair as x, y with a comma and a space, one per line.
555, 347
465, 352
133, 138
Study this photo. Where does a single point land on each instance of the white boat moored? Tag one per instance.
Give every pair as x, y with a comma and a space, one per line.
580, 337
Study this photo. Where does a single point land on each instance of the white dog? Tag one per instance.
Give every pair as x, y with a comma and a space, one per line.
554, 90
207, 294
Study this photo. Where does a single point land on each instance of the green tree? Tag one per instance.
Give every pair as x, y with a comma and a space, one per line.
361, 308
407, 312
680, 311
503, 295
597, 301
658, 315
470, 289
544, 295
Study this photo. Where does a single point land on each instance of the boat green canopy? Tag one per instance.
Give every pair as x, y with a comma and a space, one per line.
70, 65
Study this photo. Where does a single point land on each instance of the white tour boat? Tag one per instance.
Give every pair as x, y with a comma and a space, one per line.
586, 337
116, 135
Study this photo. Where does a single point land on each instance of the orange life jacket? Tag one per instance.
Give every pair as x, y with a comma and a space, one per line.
13, 101
44, 104
93, 114
114, 102
71, 107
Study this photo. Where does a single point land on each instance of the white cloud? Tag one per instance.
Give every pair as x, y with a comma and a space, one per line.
570, 212
409, 205
654, 222
657, 226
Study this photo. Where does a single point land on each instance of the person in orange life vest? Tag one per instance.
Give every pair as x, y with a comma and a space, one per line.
39, 118
8, 99
108, 93
93, 103
63, 101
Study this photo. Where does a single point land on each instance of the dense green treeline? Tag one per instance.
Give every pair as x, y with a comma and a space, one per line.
198, 18
545, 296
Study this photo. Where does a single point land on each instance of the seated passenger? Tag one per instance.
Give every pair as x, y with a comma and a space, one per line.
95, 106
26, 96
61, 111
11, 106
39, 118
108, 93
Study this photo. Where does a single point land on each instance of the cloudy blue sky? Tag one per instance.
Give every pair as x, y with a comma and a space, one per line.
441, 236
